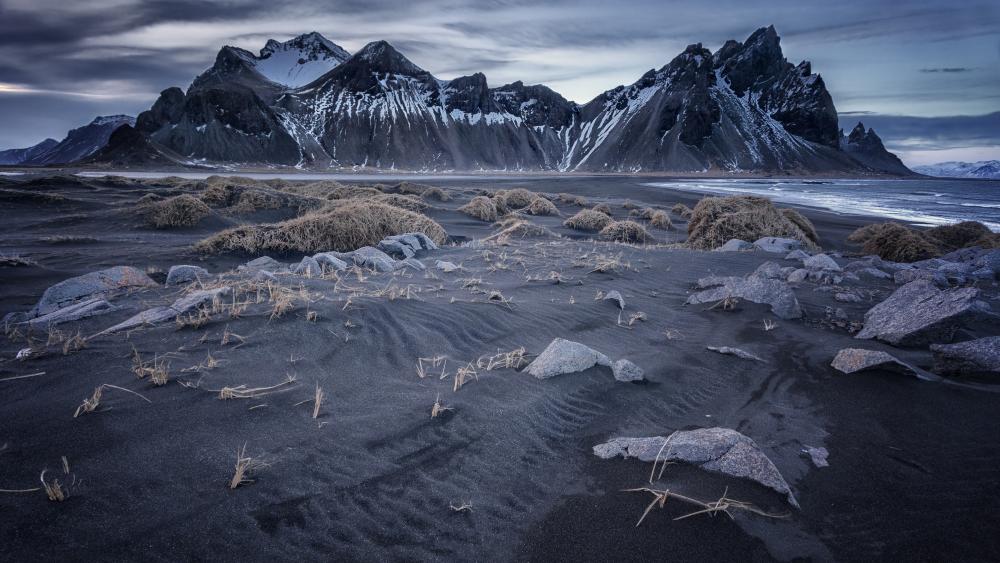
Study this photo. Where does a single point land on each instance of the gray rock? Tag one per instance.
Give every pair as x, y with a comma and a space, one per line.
853, 360
847, 297
309, 266
625, 370
975, 357
368, 257
396, 249
775, 293
719, 450
770, 270
565, 356
425, 241
265, 263
262, 275
330, 261
76, 311
735, 245
982, 274
797, 255
615, 295
445, 266
874, 273
778, 245
185, 273
409, 240
989, 259
95, 284
182, 306
798, 276
413, 263
906, 276
919, 314
817, 455
729, 351
821, 262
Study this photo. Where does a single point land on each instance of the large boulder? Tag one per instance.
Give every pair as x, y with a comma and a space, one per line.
369, 257
330, 261
76, 311
625, 370
854, 360
756, 289
821, 262
735, 245
918, 314
95, 284
396, 249
980, 357
719, 450
186, 304
186, 273
777, 244
309, 267
565, 356
903, 277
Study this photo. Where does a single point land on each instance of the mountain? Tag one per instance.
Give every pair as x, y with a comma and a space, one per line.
17, 156
744, 108
985, 169
127, 147
81, 142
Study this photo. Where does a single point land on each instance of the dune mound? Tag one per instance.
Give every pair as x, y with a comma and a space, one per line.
716, 220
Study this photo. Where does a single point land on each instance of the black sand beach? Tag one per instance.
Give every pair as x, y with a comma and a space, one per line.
912, 470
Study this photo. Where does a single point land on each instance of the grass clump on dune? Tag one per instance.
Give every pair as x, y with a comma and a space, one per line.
344, 227
962, 235
587, 220
898, 243
573, 199
178, 211
660, 220
542, 206
603, 208
518, 198
802, 223
715, 220
480, 207
682, 211
626, 231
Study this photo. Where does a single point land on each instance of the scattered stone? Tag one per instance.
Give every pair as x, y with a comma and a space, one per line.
847, 297
186, 273
76, 311
565, 356
265, 263
817, 455
309, 266
980, 357
735, 245
778, 245
614, 295
397, 249
919, 314
719, 450
798, 276
775, 293
853, 360
906, 276
330, 261
369, 257
184, 305
736, 352
446, 267
425, 240
625, 370
875, 273
821, 262
990, 260
770, 270
413, 263
797, 255
95, 284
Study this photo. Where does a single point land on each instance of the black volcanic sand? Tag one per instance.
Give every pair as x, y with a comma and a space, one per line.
913, 464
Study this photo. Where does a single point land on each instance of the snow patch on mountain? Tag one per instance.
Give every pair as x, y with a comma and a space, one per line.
985, 169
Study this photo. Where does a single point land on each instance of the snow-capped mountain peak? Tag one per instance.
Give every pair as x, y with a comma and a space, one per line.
985, 169
299, 61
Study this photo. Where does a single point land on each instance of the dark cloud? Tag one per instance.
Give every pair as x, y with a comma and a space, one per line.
930, 133
948, 69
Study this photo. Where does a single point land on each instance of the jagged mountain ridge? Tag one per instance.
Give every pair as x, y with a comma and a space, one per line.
742, 108
78, 144
984, 169
17, 156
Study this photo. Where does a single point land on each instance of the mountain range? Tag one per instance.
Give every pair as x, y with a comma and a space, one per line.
308, 103
79, 144
984, 169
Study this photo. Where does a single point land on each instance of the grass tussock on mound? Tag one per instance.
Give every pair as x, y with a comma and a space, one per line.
541, 206
682, 211
660, 220
587, 220
571, 199
603, 208
716, 220
805, 225
516, 227
345, 227
898, 243
480, 207
178, 211
518, 198
626, 231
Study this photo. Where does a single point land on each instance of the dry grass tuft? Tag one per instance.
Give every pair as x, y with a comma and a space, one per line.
178, 211
513, 359
716, 220
244, 392
588, 220
481, 208
962, 235
541, 206
245, 467
54, 489
682, 211
75, 343
345, 227
518, 198
463, 375
626, 231
660, 220
892, 241
91, 403
804, 225
571, 199
724, 505
438, 408
603, 208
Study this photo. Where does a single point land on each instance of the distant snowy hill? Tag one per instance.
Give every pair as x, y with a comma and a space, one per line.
79, 144
986, 169
17, 156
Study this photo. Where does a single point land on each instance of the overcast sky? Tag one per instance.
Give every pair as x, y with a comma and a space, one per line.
886, 62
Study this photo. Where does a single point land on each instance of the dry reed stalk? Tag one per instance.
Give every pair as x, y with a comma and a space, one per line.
502, 360
229, 336
769, 325
463, 375
91, 403
53, 489
74, 343
244, 392
245, 466
438, 407
724, 504
464, 506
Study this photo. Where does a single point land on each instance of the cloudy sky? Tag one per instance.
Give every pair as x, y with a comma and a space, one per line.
925, 73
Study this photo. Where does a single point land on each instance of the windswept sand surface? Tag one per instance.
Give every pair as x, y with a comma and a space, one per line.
913, 464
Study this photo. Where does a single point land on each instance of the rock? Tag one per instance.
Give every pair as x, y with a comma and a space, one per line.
185, 273
425, 240
263, 275
309, 266
919, 314
369, 257
625, 370
330, 261
821, 262
853, 360
719, 450
735, 245
798, 276
564, 356
446, 266
817, 455
776, 244
979, 357
184, 305
95, 284
847, 297
906, 276
989, 259
76, 311
396, 249
982, 274
797, 255
413, 263
265, 263
614, 295
775, 293
875, 273
769, 270
735, 352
